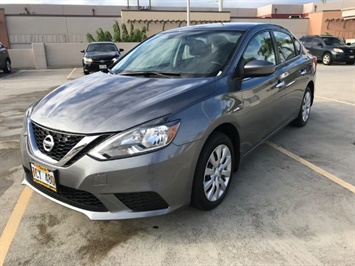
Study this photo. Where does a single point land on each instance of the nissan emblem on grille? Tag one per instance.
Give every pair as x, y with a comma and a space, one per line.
102, 61
48, 143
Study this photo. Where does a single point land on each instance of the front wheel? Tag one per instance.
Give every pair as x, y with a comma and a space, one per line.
305, 110
213, 172
327, 59
349, 63
7, 68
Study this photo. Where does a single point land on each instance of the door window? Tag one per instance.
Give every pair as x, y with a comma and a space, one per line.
260, 47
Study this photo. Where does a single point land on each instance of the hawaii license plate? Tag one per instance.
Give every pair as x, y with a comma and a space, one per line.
102, 66
43, 176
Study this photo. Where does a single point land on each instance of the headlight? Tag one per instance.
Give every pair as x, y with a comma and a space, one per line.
24, 123
114, 59
338, 50
137, 141
87, 60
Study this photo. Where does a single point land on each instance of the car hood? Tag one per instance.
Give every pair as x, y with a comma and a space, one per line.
101, 55
109, 103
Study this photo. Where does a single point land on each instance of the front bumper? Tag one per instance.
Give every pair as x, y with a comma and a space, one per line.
341, 57
107, 190
97, 66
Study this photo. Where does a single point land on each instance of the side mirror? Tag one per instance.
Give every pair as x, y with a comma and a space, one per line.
121, 50
82, 51
258, 68
348, 43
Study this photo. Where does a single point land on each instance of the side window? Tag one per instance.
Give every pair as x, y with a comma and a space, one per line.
307, 40
317, 41
285, 45
260, 47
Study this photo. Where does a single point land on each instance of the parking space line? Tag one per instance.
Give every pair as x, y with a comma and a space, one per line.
13, 223
71, 73
20, 71
334, 100
319, 170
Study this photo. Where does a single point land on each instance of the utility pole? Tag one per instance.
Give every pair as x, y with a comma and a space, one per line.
220, 5
188, 13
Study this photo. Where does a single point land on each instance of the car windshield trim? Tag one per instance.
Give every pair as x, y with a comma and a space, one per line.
150, 73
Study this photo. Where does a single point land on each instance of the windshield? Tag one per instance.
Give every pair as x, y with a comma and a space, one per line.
332, 41
192, 53
101, 47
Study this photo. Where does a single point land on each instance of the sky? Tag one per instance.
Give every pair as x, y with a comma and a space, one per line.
180, 3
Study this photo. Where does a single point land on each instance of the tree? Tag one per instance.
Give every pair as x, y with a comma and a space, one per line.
119, 34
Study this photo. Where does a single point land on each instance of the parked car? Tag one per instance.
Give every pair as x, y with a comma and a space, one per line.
99, 56
5, 61
329, 49
170, 123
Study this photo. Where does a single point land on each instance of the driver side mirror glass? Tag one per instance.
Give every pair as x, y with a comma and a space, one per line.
82, 51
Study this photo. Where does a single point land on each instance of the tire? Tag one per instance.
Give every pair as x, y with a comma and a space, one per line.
86, 72
214, 175
349, 63
7, 68
327, 59
305, 110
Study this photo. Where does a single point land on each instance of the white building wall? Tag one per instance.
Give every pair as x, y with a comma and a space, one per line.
25, 30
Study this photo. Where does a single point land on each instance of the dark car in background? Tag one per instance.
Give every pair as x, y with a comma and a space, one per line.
171, 121
5, 61
329, 49
99, 56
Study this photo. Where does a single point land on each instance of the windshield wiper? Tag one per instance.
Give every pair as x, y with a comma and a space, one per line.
151, 73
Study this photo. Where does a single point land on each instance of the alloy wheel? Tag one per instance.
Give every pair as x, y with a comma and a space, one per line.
306, 106
217, 173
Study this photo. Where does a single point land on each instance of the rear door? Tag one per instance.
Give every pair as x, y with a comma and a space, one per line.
292, 69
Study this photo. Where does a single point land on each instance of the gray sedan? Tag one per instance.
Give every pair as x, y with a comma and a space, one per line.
170, 123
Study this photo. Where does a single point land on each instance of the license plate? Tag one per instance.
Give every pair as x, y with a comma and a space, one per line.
351, 56
102, 66
43, 176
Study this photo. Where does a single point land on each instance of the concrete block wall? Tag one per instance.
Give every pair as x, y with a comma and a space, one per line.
53, 55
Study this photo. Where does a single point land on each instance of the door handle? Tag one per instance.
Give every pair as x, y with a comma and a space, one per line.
280, 85
303, 72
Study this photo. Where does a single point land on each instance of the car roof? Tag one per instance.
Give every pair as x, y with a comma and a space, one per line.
321, 36
101, 43
227, 26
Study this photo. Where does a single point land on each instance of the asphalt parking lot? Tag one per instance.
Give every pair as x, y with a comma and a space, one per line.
291, 203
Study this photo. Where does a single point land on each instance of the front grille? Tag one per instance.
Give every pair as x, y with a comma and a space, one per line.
77, 198
63, 142
106, 62
142, 201
84, 151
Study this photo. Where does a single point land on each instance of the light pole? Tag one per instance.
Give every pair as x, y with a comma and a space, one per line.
188, 13
220, 5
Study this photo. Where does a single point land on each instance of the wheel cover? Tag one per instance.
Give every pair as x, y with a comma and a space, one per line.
217, 173
306, 106
326, 59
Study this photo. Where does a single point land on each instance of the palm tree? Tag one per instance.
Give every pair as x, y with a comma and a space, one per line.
119, 34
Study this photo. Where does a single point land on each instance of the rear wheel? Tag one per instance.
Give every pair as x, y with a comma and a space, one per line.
327, 59
7, 68
213, 172
349, 63
305, 110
